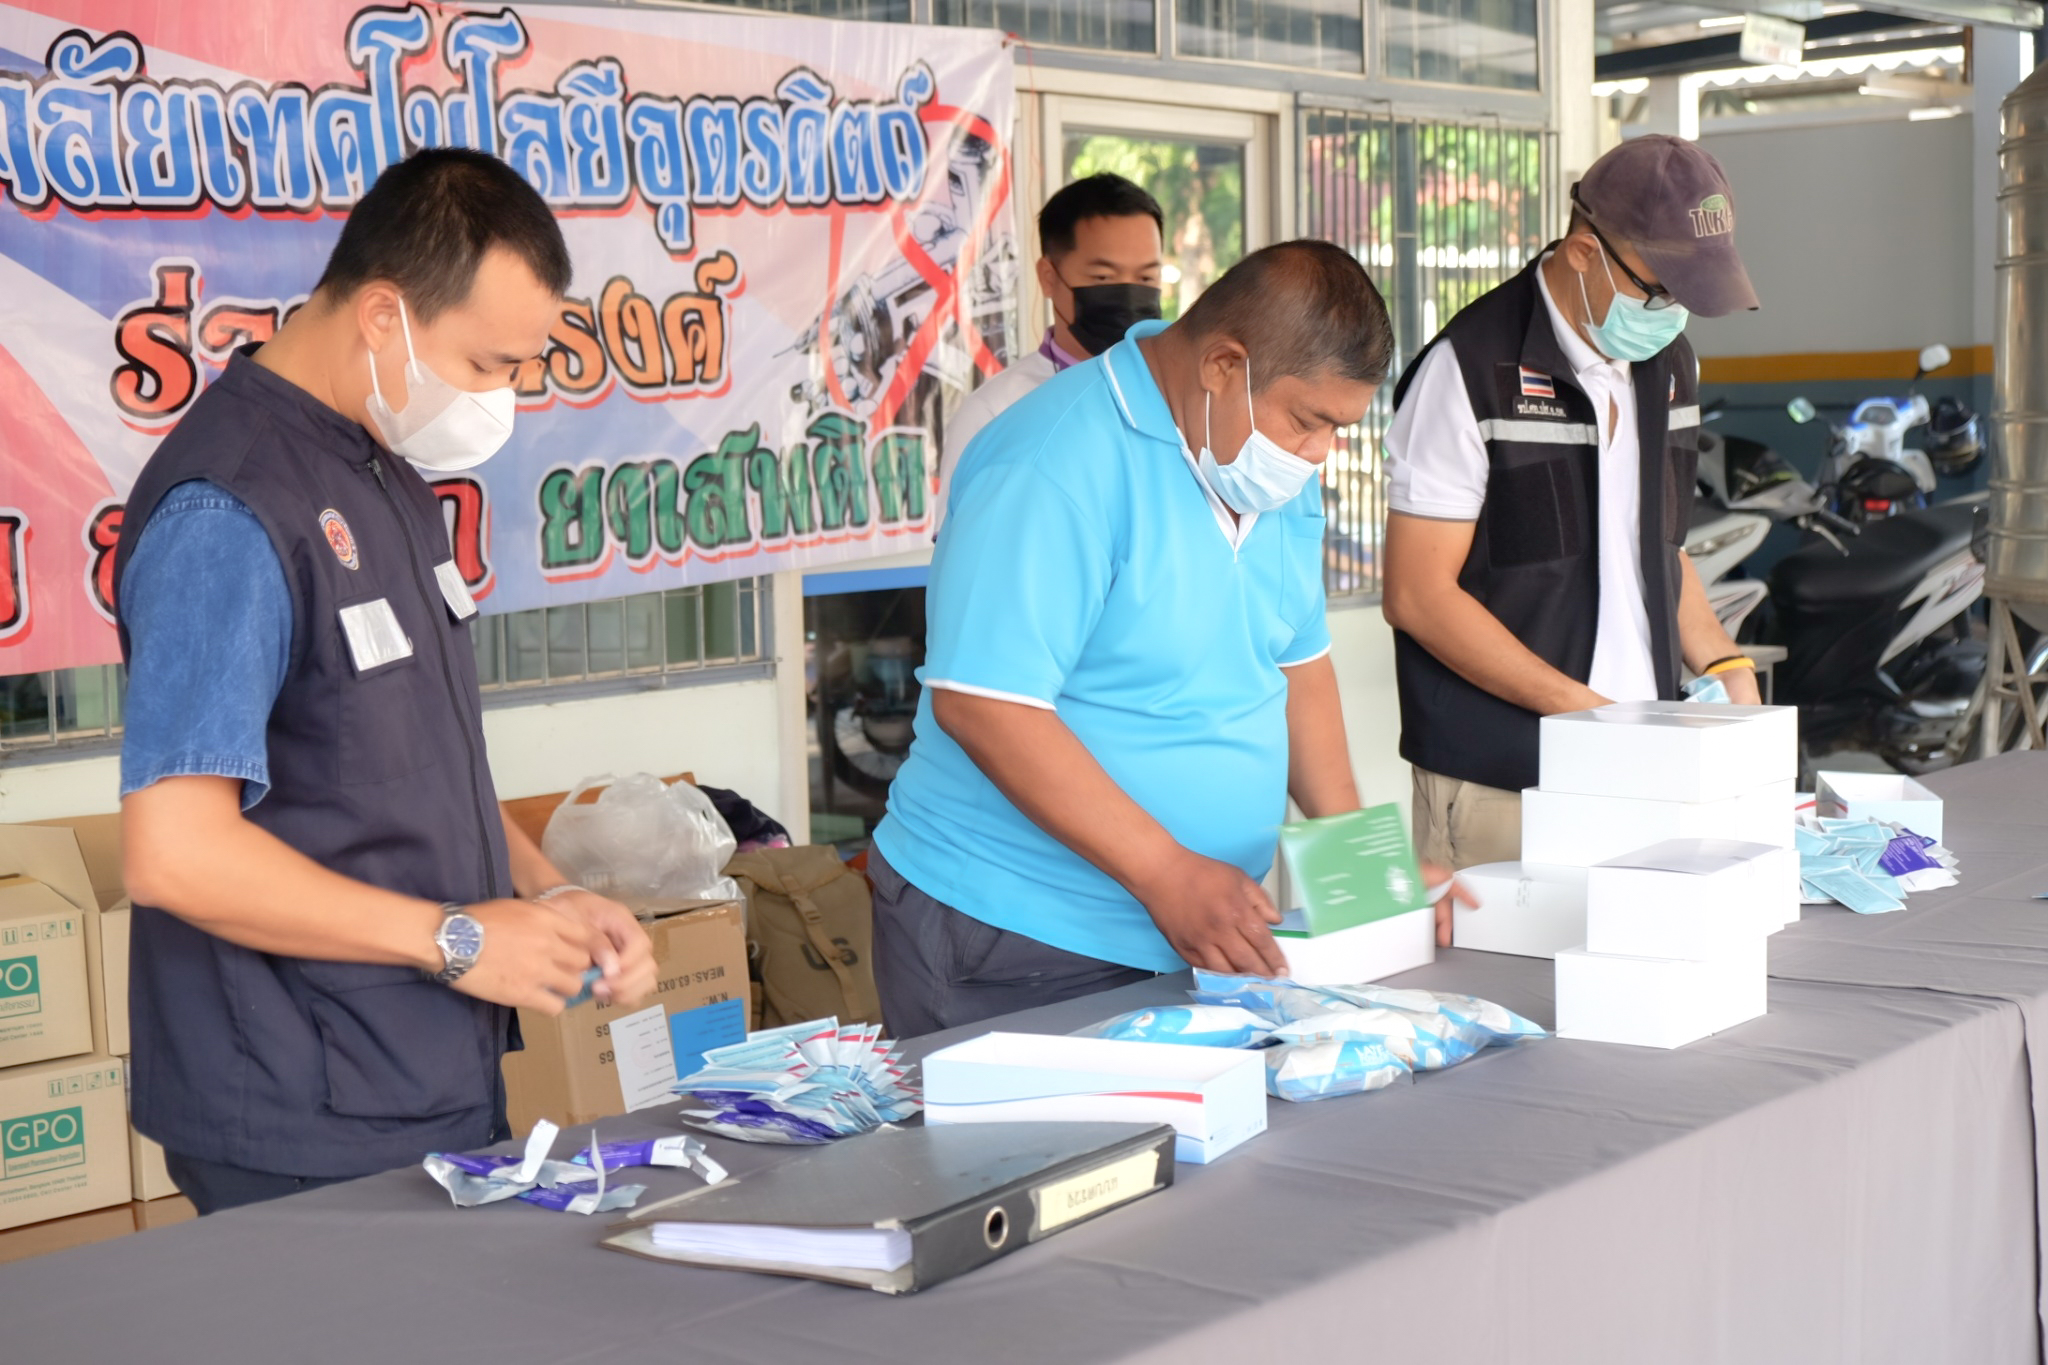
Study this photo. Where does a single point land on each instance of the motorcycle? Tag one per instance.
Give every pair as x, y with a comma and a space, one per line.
1869, 472
1726, 529
1874, 615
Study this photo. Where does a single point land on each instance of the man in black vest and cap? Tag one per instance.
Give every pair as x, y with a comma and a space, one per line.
1542, 459
330, 935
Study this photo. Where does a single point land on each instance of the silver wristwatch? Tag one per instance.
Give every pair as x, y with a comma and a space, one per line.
461, 941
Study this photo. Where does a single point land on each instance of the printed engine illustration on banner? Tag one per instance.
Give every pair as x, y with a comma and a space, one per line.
793, 241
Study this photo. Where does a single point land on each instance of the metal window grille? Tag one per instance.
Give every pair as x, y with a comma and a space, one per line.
1322, 35
1108, 25
1438, 213
680, 631
884, 11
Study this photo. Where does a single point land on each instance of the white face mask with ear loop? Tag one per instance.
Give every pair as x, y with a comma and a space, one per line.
442, 428
1264, 477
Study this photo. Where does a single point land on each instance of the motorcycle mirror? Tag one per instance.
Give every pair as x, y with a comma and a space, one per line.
1934, 358
1801, 410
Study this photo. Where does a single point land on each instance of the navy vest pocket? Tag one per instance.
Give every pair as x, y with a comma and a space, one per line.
382, 731
395, 1044
1532, 516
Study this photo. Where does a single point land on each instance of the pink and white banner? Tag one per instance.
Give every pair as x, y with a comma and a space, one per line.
792, 241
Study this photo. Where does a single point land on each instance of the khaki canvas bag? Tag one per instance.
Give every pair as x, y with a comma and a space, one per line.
810, 935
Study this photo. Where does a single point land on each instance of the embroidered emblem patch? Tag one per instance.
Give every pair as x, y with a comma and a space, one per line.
1536, 385
1715, 217
339, 539
1674, 390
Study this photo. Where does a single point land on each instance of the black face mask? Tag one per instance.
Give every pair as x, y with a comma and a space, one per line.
1104, 312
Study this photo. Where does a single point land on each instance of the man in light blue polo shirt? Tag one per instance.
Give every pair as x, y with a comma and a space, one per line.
1127, 672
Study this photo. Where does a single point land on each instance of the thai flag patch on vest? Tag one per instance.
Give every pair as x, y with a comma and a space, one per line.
1536, 385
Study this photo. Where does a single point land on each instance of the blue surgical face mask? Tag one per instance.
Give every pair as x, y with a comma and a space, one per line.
1263, 477
1632, 331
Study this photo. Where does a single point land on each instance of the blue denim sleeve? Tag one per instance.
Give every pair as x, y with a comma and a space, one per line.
209, 622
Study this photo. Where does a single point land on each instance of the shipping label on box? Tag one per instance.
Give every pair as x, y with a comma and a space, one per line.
570, 1071
1351, 869
45, 1006
1215, 1098
63, 1139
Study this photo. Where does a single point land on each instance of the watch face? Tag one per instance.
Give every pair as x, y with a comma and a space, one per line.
462, 937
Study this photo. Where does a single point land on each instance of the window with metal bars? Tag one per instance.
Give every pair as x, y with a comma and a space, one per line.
649, 635
1105, 25
1438, 213
1321, 35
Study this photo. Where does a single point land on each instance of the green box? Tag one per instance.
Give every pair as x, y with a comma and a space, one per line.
1351, 869
35, 1143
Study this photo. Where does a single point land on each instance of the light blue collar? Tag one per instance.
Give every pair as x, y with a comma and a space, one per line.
1137, 395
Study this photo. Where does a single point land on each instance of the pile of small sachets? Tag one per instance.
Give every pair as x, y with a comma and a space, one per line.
1322, 1041
1870, 866
801, 1083
578, 1185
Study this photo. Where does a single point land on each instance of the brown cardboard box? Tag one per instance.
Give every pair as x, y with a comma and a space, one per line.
568, 1072
161, 1213
63, 1139
45, 1005
80, 859
112, 1001
146, 1172
63, 1234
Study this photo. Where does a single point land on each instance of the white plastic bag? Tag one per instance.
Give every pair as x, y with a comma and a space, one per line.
642, 841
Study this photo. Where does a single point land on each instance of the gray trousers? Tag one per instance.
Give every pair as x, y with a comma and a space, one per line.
938, 969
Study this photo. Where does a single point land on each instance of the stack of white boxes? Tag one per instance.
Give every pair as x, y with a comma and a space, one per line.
1656, 858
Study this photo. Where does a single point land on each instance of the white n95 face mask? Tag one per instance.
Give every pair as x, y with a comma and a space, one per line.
1263, 477
442, 428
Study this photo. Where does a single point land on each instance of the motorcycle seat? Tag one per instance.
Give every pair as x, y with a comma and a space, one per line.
1884, 562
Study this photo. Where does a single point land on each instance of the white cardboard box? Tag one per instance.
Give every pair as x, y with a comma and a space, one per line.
1879, 796
1657, 1002
1365, 952
1669, 750
1215, 1098
1525, 908
1576, 830
1687, 898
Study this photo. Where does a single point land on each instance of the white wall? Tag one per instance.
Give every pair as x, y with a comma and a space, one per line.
1857, 236
1362, 651
726, 733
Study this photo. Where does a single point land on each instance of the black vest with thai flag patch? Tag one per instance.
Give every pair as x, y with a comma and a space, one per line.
1535, 557
377, 772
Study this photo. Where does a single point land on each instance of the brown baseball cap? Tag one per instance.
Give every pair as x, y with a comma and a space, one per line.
1670, 201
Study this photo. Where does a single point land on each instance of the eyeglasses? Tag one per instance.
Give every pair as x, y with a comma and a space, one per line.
1656, 296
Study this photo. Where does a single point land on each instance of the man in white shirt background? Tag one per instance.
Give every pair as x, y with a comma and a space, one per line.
1542, 459
1099, 241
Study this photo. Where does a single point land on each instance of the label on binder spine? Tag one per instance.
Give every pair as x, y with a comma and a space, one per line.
1078, 1196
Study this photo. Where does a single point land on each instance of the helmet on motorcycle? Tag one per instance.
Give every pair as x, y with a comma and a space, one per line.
1874, 489
1955, 440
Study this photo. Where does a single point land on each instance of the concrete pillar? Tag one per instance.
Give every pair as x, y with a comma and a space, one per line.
1574, 114
1674, 107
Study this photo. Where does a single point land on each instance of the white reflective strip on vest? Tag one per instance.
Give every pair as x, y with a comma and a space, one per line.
1542, 433
1682, 418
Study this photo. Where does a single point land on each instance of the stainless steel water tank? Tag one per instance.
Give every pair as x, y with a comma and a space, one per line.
2018, 568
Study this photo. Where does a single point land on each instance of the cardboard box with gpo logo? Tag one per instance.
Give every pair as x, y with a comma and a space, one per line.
63, 1139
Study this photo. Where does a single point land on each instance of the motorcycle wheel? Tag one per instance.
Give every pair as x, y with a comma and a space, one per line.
852, 753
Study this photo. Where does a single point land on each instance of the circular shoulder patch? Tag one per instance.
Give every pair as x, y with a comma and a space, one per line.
339, 538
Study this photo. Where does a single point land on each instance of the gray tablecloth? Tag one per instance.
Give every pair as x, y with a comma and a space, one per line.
1849, 1179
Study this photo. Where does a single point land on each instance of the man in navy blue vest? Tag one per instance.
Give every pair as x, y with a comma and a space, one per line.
333, 919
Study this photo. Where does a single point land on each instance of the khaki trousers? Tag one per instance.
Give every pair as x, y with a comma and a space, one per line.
1461, 824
